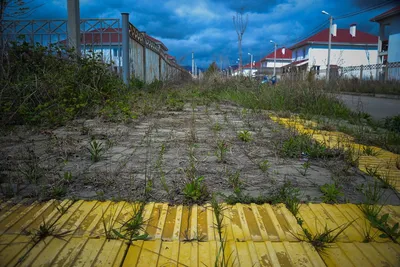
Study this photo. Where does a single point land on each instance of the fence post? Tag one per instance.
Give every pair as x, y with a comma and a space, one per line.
159, 68
125, 48
361, 72
74, 24
386, 71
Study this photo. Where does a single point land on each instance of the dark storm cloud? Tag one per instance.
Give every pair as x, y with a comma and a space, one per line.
205, 26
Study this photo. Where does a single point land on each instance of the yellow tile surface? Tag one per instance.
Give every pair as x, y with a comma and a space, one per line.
255, 235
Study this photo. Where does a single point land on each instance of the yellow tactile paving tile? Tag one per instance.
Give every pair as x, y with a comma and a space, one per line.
362, 254
317, 217
255, 235
383, 162
196, 254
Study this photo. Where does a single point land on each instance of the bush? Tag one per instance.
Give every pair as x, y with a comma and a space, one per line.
51, 85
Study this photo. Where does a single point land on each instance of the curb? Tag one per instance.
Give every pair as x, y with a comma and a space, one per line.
371, 95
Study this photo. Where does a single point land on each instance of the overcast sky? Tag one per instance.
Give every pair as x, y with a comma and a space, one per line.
206, 27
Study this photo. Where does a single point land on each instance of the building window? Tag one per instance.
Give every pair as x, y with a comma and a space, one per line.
115, 52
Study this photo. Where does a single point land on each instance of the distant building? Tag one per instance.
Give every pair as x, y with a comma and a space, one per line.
389, 35
349, 47
247, 69
283, 57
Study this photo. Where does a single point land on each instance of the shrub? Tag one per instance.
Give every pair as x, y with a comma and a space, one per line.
51, 85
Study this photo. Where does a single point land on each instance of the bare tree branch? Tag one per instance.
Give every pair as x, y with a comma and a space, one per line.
240, 25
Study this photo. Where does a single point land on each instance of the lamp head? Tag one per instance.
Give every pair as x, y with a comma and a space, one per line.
324, 12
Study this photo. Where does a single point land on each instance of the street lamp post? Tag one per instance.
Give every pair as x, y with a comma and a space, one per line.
329, 45
274, 55
251, 65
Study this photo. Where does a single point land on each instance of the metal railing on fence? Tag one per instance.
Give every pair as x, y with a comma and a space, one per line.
101, 37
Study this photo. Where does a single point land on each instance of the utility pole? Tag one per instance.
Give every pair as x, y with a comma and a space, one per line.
274, 56
74, 24
125, 48
251, 65
192, 63
329, 45
195, 69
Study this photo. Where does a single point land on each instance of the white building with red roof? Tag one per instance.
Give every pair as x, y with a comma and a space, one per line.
349, 47
389, 35
283, 57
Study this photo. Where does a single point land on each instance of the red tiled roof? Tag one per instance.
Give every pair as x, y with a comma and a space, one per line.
104, 35
279, 54
342, 36
255, 65
390, 12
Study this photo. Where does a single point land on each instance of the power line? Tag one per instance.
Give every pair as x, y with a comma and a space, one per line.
367, 9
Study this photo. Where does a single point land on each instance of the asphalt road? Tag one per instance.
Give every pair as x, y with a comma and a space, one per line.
378, 108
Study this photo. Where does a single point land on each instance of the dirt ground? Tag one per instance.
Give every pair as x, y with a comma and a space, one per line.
176, 145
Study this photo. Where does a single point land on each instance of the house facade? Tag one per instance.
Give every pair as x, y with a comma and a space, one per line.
389, 35
349, 47
248, 70
283, 57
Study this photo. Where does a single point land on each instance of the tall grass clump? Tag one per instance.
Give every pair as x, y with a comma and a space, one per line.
51, 85
295, 96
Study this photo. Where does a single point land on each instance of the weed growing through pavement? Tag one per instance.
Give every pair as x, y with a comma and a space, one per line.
381, 222
100, 195
57, 191
195, 191
131, 230
96, 150
367, 232
108, 223
217, 127
369, 151
235, 181
373, 193
264, 165
30, 169
320, 240
331, 193
289, 195
372, 210
47, 229
304, 168
373, 171
222, 148
159, 166
221, 260
67, 177
245, 136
